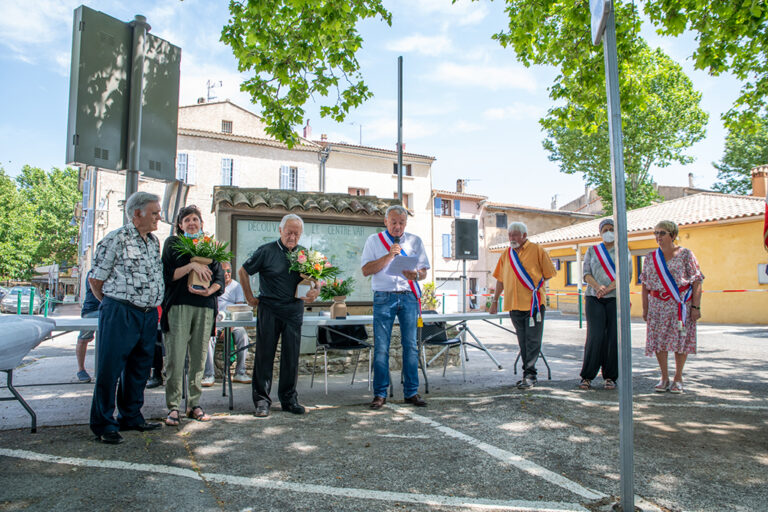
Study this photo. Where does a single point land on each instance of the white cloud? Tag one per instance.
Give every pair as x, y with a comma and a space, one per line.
466, 127
383, 129
425, 45
516, 111
462, 13
27, 27
485, 76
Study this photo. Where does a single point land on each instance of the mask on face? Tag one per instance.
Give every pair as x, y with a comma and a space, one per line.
194, 235
608, 237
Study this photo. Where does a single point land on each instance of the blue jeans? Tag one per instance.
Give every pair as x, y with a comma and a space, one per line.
387, 306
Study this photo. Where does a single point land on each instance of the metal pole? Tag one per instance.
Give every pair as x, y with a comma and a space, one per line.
626, 449
579, 279
136, 96
400, 128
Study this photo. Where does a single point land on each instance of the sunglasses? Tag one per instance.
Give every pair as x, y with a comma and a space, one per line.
660, 233
227, 270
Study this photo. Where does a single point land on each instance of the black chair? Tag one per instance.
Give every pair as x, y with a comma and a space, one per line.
342, 338
435, 334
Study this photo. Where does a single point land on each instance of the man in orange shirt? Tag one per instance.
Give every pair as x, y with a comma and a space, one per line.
521, 271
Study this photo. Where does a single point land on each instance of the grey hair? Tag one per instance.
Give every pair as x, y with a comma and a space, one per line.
519, 227
139, 201
291, 216
400, 210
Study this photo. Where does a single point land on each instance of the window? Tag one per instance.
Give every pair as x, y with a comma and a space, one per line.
570, 273
407, 200
357, 191
447, 246
406, 169
182, 167
445, 207
226, 126
292, 178
227, 172
501, 220
639, 267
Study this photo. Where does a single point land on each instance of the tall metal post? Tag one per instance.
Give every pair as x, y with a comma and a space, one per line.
400, 128
626, 449
136, 97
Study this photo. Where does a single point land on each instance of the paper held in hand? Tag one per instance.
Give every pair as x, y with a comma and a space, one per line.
400, 263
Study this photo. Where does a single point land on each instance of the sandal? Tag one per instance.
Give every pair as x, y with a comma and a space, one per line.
173, 420
677, 387
609, 384
198, 414
662, 386
585, 384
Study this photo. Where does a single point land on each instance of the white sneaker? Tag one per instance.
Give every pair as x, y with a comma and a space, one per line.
242, 378
207, 382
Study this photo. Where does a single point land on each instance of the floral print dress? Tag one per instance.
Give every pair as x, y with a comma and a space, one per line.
662, 332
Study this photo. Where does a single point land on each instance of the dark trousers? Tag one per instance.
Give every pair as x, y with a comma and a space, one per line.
126, 345
269, 328
157, 358
601, 348
528, 339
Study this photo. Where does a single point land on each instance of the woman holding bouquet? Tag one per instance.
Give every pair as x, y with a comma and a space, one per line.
189, 310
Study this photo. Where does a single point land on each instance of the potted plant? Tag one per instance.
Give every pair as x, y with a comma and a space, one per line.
429, 300
312, 266
204, 250
337, 291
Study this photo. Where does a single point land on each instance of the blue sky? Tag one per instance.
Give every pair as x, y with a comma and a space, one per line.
467, 101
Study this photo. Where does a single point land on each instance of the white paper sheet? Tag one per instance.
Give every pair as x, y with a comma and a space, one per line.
401, 263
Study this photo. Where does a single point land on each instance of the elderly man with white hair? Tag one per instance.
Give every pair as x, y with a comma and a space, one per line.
520, 274
280, 315
127, 277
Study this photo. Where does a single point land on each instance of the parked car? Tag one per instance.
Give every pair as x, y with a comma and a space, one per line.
9, 303
3, 292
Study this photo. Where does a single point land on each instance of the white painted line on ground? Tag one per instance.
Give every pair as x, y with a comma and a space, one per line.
505, 456
336, 492
695, 405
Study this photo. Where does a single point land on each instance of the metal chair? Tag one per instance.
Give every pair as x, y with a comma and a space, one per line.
343, 338
435, 334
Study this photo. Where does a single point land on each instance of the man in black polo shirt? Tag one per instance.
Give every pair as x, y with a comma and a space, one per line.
280, 315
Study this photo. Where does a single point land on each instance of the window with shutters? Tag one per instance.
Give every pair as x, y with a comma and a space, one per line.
226, 126
446, 246
357, 191
407, 171
182, 167
407, 200
227, 172
293, 178
445, 207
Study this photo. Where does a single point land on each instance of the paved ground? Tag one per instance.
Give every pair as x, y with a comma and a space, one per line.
479, 445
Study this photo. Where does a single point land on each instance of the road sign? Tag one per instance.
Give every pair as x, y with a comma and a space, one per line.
599, 10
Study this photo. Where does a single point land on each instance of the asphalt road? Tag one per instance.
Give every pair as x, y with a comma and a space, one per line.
479, 445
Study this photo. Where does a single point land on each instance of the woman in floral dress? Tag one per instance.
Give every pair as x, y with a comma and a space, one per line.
660, 310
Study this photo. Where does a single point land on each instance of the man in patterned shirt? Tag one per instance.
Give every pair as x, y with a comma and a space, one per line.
127, 277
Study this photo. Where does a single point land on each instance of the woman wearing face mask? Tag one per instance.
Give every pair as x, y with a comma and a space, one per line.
601, 348
671, 303
188, 317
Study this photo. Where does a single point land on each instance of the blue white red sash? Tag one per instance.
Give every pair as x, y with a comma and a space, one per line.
604, 257
526, 281
387, 241
671, 287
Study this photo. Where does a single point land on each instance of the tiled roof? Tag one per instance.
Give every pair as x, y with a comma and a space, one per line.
685, 211
518, 207
290, 200
356, 147
458, 195
303, 145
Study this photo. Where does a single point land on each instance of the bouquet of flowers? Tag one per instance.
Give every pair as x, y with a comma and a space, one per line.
203, 246
335, 288
311, 264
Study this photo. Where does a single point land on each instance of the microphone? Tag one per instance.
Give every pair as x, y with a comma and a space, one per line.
396, 240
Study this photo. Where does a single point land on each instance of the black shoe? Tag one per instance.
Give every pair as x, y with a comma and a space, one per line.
144, 427
416, 401
154, 382
262, 411
293, 408
111, 437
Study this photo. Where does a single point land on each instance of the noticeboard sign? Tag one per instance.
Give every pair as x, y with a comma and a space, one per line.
99, 94
600, 9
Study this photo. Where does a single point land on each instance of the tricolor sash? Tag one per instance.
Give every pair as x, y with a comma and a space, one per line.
525, 279
387, 241
604, 257
671, 287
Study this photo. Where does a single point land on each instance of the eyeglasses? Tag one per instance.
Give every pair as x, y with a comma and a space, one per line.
227, 270
660, 233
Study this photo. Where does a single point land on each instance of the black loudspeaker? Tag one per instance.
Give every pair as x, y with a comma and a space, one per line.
466, 245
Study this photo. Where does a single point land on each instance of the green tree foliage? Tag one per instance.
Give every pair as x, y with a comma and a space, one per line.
732, 36
666, 119
745, 149
661, 116
52, 197
17, 236
296, 49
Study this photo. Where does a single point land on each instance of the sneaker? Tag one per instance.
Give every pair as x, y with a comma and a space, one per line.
527, 382
242, 378
83, 377
154, 382
207, 382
